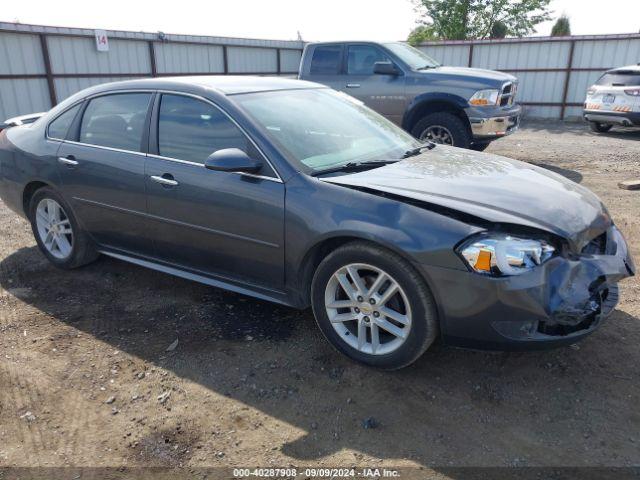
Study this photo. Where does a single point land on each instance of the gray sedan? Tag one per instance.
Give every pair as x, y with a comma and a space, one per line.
294, 193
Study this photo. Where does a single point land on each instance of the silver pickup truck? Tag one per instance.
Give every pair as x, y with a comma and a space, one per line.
464, 107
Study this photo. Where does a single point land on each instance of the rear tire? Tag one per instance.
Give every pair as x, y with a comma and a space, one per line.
600, 127
395, 328
57, 232
444, 128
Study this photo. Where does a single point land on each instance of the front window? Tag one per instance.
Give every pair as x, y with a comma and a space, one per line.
319, 129
414, 58
362, 58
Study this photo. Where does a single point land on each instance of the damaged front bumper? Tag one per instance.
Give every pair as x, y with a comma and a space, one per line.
556, 303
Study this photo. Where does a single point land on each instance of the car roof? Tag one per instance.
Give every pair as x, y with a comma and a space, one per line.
223, 84
629, 68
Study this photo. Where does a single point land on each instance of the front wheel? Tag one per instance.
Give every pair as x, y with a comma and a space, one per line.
443, 128
57, 231
373, 306
600, 127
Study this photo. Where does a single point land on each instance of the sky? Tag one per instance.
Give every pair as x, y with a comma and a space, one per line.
316, 20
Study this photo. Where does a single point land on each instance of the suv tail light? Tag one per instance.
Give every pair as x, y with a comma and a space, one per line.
634, 93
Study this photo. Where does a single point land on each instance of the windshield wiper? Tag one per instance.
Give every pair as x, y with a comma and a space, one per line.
428, 67
418, 150
354, 166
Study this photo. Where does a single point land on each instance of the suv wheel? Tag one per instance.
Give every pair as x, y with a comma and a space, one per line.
57, 231
600, 127
443, 128
373, 306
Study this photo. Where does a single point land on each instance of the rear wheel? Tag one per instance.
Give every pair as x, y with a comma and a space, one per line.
600, 127
373, 306
57, 231
443, 128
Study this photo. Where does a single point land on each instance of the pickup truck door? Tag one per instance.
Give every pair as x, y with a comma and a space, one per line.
383, 93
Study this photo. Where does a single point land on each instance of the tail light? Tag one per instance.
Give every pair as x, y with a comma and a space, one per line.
634, 92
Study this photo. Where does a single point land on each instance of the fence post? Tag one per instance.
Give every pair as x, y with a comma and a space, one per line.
279, 68
470, 62
152, 59
47, 70
225, 59
565, 91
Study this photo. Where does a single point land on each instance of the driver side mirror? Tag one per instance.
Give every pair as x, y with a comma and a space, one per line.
386, 68
232, 160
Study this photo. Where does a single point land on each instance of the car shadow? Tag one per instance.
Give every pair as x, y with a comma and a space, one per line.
573, 406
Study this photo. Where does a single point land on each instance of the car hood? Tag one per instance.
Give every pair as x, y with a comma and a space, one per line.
477, 73
491, 188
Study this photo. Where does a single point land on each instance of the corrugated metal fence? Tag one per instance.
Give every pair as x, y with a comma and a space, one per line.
554, 72
40, 66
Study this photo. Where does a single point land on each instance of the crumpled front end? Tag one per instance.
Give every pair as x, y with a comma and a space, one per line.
559, 302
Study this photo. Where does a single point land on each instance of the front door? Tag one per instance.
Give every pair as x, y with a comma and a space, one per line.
220, 224
102, 171
383, 93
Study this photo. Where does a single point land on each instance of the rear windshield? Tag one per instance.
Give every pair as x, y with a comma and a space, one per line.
620, 79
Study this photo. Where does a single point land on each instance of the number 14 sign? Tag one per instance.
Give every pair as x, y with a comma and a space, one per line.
102, 41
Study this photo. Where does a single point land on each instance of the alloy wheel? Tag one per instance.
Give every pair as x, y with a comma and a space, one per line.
54, 228
368, 308
437, 134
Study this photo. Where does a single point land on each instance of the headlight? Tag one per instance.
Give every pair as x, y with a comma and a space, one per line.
485, 97
501, 254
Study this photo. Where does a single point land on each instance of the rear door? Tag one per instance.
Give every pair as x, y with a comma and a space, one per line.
616, 92
383, 93
220, 224
101, 167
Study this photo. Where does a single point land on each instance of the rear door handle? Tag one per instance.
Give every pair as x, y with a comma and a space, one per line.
165, 179
353, 85
69, 160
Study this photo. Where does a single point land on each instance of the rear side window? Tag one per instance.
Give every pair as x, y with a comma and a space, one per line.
115, 121
191, 130
360, 59
620, 79
326, 60
60, 126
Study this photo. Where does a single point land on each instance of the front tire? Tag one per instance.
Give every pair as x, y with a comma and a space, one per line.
443, 128
600, 127
373, 306
57, 232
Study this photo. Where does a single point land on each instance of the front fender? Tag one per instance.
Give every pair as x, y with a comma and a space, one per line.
455, 101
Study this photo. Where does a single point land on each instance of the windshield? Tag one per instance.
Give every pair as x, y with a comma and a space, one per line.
620, 78
416, 59
319, 129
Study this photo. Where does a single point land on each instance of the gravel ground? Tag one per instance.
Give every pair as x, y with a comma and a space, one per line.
87, 377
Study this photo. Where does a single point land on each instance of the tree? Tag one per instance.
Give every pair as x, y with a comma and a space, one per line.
422, 33
561, 28
467, 19
499, 30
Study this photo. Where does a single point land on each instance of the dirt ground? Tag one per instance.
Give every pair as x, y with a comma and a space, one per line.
86, 378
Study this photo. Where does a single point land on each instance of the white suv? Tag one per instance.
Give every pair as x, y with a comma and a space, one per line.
614, 99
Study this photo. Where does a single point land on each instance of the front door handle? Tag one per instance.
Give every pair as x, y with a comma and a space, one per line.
165, 179
353, 85
69, 161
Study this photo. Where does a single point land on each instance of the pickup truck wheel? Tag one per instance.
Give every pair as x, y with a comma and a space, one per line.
600, 127
443, 128
373, 306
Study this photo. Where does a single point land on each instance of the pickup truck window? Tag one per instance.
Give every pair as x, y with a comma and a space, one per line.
326, 60
360, 59
416, 59
341, 129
